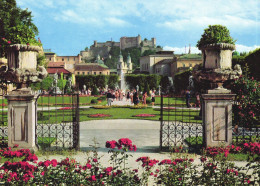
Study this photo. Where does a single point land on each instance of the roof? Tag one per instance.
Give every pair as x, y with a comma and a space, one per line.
165, 61
191, 56
56, 64
59, 70
165, 52
113, 70
90, 67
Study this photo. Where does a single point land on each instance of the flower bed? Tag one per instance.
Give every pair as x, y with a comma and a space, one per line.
138, 107
101, 107
178, 171
144, 115
99, 115
65, 108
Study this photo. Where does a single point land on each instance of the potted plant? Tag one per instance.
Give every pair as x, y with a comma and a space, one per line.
217, 46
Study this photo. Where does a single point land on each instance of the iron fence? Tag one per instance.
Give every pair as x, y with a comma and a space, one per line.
181, 126
57, 121
3, 120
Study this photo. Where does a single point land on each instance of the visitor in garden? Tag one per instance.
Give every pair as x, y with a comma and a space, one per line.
153, 97
135, 98
109, 98
128, 95
131, 97
197, 99
144, 98
188, 98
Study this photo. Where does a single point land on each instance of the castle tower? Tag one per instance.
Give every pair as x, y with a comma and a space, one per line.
95, 43
129, 63
189, 49
154, 42
139, 40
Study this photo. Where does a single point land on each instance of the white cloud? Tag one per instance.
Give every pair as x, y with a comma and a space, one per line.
181, 50
243, 48
172, 14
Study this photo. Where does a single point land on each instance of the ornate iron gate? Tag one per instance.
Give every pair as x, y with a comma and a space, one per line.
57, 121
181, 127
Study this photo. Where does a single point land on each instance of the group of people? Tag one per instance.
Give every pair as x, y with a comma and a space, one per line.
187, 96
133, 96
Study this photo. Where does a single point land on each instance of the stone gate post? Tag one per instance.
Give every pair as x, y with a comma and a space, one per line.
22, 71
22, 119
217, 117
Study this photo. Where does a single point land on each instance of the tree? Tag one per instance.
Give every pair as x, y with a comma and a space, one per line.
148, 52
16, 26
215, 34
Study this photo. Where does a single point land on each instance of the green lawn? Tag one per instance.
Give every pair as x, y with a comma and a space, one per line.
57, 116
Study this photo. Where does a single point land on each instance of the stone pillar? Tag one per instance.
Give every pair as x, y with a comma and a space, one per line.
22, 119
217, 117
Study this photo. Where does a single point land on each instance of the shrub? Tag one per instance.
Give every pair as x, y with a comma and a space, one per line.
95, 91
215, 34
148, 100
247, 108
94, 101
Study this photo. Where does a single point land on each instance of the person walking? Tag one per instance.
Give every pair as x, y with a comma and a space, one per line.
153, 97
135, 98
109, 98
188, 99
197, 100
144, 98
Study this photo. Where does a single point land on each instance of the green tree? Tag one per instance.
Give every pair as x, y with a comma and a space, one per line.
215, 34
16, 26
148, 52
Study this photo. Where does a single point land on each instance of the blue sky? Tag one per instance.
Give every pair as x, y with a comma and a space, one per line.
68, 26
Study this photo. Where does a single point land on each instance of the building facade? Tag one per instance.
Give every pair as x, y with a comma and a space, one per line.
147, 63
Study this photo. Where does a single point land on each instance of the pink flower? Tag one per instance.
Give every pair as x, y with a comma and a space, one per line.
9, 42
42, 173
95, 160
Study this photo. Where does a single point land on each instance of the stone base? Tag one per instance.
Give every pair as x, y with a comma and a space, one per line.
22, 119
217, 118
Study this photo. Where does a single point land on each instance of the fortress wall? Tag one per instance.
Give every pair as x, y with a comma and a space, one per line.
128, 42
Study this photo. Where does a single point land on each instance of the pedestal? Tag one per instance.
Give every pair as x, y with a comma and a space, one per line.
217, 117
22, 119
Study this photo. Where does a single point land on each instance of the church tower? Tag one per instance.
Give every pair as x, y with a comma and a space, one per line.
129, 63
120, 64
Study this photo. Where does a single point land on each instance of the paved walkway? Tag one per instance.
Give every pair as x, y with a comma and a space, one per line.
143, 133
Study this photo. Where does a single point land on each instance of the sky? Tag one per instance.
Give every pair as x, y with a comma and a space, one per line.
68, 26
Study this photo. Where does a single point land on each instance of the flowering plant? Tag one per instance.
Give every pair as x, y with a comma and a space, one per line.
144, 115
247, 106
66, 108
99, 115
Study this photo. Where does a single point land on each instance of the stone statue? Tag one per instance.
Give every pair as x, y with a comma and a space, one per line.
191, 82
55, 79
84, 87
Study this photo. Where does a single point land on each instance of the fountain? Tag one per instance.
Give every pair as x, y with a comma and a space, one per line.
122, 82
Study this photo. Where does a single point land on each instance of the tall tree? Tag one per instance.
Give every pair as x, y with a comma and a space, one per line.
16, 26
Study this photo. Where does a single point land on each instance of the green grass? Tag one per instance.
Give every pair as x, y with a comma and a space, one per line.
58, 116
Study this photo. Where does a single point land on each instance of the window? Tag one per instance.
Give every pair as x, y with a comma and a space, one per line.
74, 58
68, 59
107, 73
50, 59
94, 73
62, 59
88, 73
83, 73
100, 72
183, 64
78, 73
190, 65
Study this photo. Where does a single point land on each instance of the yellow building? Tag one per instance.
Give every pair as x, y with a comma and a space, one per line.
96, 68
69, 61
147, 63
185, 62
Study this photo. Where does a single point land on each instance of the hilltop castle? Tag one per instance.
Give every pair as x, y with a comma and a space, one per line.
103, 48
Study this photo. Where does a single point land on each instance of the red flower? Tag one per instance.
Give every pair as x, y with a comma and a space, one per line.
95, 160
144, 115
9, 42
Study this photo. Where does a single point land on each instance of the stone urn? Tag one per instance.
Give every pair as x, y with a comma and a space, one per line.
217, 65
22, 63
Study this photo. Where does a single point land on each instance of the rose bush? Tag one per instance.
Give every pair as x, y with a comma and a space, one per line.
179, 171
